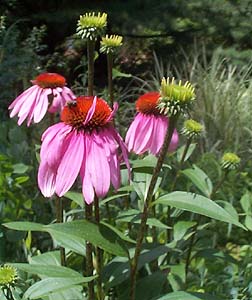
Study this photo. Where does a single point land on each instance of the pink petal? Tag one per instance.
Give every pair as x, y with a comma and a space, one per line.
98, 168
46, 179
133, 131
159, 132
91, 111
21, 98
70, 164
174, 141
41, 106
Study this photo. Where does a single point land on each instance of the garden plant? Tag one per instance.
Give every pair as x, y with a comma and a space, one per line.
143, 212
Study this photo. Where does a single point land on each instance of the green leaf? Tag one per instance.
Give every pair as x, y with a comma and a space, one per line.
47, 270
180, 152
25, 226
116, 73
147, 162
229, 208
134, 216
180, 229
186, 296
117, 196
177, 276
248, 222
119, 233
81, 230
73, 235
76, 197
246, 202
197, 204
199, 179
51, 285
20, 168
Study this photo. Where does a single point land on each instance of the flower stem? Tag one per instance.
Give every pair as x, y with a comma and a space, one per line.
98, 253
195, 227
144, 217
90, 56
89, 256
110, 80
169, 220
88, 208
59, 218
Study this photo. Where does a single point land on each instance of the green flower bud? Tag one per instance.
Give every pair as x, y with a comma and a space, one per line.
192, 128
8, 276
230, 161
175, 98
110, 43
90, 26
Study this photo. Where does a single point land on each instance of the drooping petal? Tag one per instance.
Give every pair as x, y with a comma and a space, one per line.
132, 132
70, 163
28, 106
41, 106
158, 135
97, 166
87, 187
144, 138
21, 98
123, 147
46, 179
55, 140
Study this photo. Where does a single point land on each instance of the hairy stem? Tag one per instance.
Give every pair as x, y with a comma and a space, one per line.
144, 217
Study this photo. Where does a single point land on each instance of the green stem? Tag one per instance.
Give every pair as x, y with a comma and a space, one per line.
90, 56
89, 256
195, 227
88, 208
144, 217
59, 218
98, 253
110, 79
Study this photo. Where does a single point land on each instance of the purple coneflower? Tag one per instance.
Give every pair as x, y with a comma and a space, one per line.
33, 103
147, 131
84, 143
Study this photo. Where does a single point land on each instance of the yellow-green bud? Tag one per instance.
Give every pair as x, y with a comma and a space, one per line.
174, 97
110, 43
8, 275
90, 25
230, 161
192, 128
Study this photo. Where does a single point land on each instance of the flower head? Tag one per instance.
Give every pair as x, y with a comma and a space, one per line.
90, 26
175, 97
8, 275
230, 161
48, 90
110, 43
192, 128
148, 130
85, 143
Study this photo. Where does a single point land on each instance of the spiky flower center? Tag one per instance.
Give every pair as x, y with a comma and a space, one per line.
90, 25
192, 128
8, 275
110, 43
147, 103
230, 161
75, 113
175, 98
49, 80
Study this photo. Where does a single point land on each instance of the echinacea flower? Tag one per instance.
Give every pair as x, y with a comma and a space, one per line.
49, 89
148, 130
230, 161
84, 143
8, 276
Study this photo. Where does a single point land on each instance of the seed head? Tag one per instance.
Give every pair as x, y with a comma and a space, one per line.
90, 25
109, 44
175, 98
192, 128
230, 161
